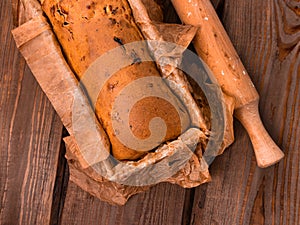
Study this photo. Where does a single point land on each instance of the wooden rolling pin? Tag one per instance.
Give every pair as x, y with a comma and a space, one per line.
216, 50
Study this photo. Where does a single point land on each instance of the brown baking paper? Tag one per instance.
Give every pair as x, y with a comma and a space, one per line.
149, 19
39, 46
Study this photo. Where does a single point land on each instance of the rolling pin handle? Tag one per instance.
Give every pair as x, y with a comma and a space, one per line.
266, 151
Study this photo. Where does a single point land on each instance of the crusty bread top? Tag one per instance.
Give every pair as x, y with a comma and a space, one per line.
87, 29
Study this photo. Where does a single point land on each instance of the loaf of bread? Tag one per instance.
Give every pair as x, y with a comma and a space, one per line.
87, 30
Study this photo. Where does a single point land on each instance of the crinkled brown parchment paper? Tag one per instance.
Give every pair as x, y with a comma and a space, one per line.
38, 44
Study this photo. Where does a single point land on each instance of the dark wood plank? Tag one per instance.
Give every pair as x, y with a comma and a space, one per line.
163, 204
61, 184
30, 137
266, 35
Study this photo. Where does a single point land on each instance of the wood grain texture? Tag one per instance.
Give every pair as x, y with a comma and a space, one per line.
266, 35
163, 204
30, 136
61, 184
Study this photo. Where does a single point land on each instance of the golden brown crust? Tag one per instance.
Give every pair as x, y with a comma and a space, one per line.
88, 29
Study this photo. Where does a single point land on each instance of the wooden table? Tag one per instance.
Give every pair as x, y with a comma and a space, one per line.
34, 187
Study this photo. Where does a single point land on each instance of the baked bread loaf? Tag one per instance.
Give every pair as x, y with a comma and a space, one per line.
87, 30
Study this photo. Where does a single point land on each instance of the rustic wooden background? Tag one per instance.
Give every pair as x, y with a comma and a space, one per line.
34, 187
